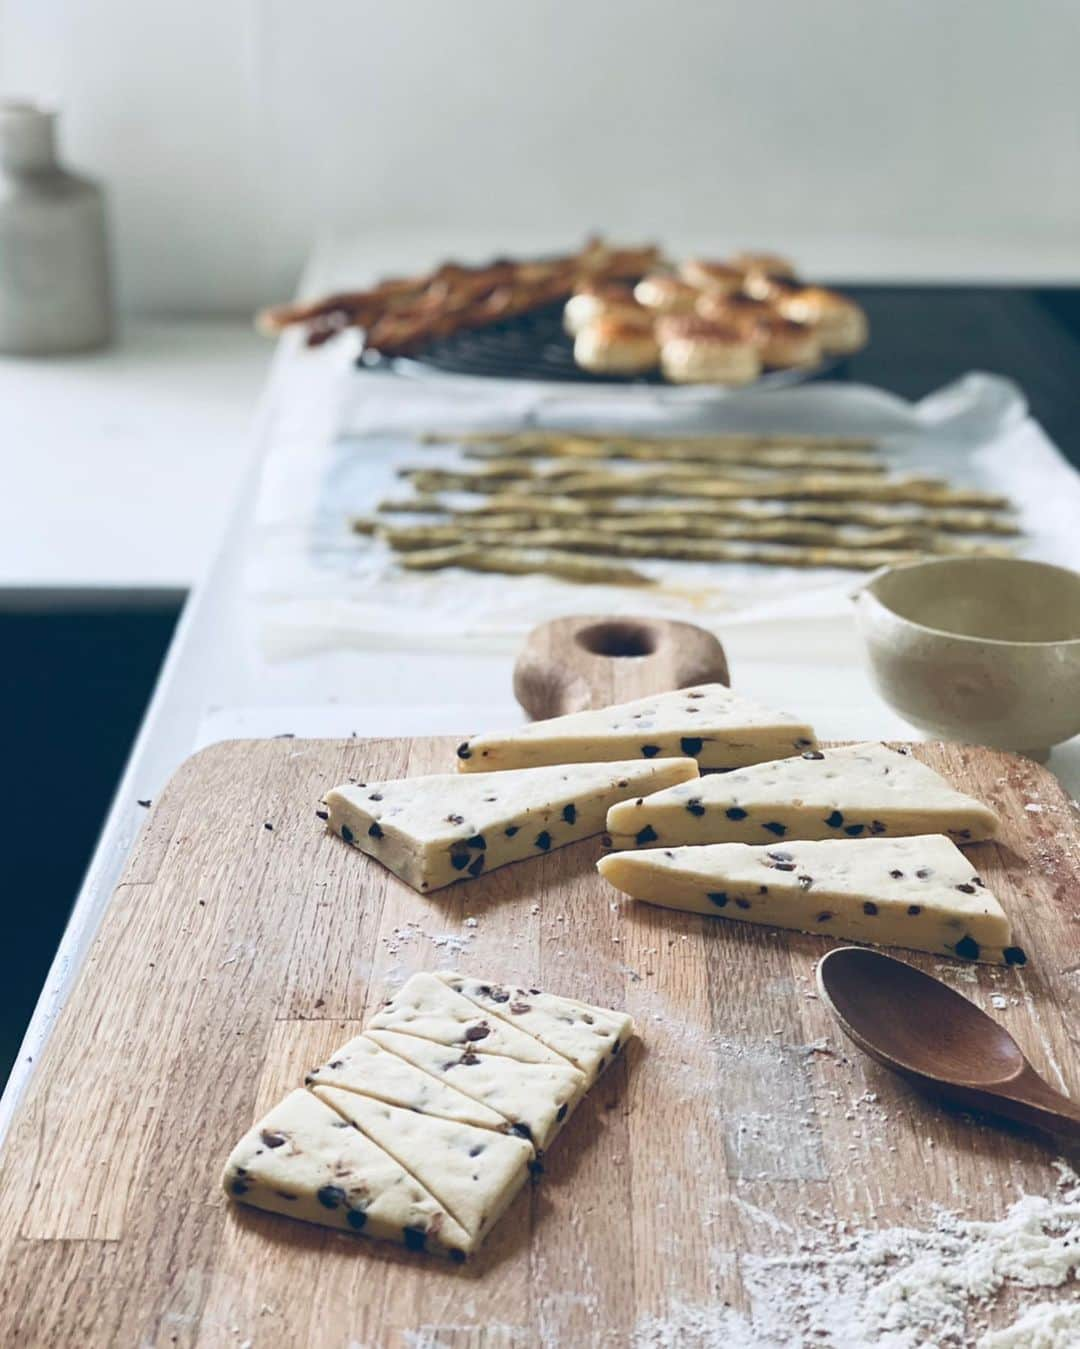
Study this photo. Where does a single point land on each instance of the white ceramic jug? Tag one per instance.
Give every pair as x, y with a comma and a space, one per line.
54, 271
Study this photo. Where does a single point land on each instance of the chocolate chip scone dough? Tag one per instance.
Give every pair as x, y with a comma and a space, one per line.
435, 830
428, 1008
474, 1173
856, 791
591, 1038
717, 728
533, 1100
364, 1065
305, 1160
920, 892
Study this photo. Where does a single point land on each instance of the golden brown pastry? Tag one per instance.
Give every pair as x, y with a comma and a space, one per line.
662, 293
739, 310
840, 323
771, 264
785, 344
601, 299
713, 276
695, 351
610, 346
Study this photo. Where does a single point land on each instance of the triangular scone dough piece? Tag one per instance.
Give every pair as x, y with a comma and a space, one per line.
305, 1160
427, 1007
474, 1173
857, 791
590, 1037
918, 892
432, 831
709, 723
364, 1065
532, 1099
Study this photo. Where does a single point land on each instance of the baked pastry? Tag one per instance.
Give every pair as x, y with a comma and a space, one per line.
840, 323
665, 294
785, 344
714, 276
695, 351
601, 299
740, 310
612, 346
772, 264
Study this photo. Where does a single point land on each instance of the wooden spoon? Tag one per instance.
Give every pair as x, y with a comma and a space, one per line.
570, 664
930, 1034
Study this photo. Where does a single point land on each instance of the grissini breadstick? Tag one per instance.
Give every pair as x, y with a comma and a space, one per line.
524, 562
785, 457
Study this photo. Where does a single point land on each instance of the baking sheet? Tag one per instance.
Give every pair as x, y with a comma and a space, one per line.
313, 584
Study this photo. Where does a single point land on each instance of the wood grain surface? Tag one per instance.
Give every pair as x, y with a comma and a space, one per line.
235, 955
570, 664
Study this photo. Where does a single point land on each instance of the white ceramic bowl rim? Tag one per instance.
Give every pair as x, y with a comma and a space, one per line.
868, 589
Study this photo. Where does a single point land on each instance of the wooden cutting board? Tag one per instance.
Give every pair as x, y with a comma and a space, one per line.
244, 944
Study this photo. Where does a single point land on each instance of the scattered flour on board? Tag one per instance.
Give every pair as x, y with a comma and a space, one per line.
901, 1288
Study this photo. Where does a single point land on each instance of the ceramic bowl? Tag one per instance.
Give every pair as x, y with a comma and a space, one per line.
979, 649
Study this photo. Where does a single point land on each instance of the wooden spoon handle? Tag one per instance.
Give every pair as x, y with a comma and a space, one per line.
570, 664
1028, 1100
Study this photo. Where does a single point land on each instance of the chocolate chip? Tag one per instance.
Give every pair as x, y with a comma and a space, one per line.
717, 897
977, 880
691, 745
331, 1196
813, 754
347, 834
477, 1149
622, 782
968, 947
322, 814
1014, 955
923, 873
468, 1059
741, 903
825, 916
650, 751
853, 830
735, 813
271, 1139
476, 865
477, 841
356, 1219
415, 1238
375, 832
478, 1032
459, 860
896, 875
783, 866
560, 1114
499, 995
803, 743
455, 819
284, 1194
775, 828
914, 910
511, 830
463, 750
520, 1008
695, 695
267, 825
569, 814
966, 889
870, 908
458, 1257
835, 820
961, 833
145, 803
522, 1131
337, 1063
805, 882
778, 856
375, 796
646, 835
238, 1186
694, 806
543, 841
876, 827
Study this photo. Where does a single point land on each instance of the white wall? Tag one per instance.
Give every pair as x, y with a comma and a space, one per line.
872, 137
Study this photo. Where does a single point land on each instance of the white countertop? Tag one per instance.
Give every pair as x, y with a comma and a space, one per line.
121, 466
